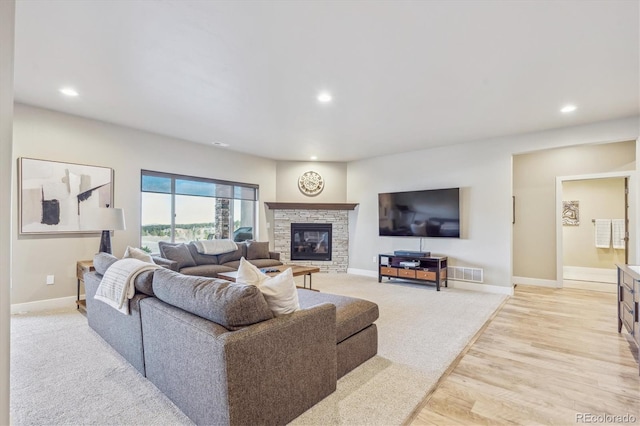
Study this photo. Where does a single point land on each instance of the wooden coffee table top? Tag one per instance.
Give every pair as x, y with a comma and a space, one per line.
297, 270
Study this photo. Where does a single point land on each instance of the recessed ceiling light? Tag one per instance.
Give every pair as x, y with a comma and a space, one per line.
69, 91
568, 108
324, 97
220, 144
314, 157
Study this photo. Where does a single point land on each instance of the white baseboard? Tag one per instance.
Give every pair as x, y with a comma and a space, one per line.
365, 272
538, 282
44, 305
484, 288
580, 273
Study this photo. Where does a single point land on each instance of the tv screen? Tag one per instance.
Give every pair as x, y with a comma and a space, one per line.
426, 213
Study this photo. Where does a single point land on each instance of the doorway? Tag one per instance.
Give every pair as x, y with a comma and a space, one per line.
593, 230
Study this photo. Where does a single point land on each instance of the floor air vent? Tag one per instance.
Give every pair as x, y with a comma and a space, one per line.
460, 273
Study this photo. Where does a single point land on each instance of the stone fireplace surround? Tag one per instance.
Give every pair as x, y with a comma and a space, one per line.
284, 214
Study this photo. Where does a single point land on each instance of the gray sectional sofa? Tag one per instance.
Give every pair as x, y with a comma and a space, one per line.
216, 350
184, 258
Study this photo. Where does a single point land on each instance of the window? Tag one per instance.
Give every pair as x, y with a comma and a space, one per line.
178, 208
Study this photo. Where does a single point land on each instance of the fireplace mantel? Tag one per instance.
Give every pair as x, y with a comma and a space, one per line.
310, 206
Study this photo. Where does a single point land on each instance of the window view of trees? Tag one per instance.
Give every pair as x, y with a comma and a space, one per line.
181, 209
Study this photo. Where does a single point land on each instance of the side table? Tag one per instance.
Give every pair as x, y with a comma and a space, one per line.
81, 267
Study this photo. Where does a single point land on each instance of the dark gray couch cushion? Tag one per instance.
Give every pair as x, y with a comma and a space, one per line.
177, 252
234, 255
202, 259
257, 250
352, 314
102, 261
210, 271
231, 305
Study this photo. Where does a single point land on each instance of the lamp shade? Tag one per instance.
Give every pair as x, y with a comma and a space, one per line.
102, 219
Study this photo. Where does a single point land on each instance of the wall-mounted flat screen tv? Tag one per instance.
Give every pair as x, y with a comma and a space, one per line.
426, 213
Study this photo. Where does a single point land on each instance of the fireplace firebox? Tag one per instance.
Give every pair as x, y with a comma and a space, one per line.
310, 241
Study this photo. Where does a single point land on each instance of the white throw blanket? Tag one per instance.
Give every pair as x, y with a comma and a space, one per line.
117, 285
215, 246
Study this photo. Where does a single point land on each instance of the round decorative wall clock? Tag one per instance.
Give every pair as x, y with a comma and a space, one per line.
311, 183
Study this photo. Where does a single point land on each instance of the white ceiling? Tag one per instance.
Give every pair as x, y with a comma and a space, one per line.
404, 75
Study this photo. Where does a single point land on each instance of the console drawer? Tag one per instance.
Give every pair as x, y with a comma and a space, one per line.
407, 273
426, 275
385, 270
628, 317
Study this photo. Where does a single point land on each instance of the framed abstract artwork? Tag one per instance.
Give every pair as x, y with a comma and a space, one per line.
570, 213
53, 194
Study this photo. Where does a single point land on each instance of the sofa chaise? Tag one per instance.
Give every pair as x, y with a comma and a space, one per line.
215, 349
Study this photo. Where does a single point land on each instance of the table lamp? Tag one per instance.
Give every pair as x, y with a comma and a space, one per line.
105, 220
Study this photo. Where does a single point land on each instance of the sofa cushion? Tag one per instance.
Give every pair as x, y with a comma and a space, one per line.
352, 314
177, 252
257, 250
102, 261
210, 271
202, 259
279, 290
263, 263
136, 253
234, 255
144, 283
231, 305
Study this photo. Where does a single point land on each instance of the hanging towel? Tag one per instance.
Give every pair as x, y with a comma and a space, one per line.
617, 233
603, 233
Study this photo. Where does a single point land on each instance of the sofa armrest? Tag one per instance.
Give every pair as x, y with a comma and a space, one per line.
267, 373
166, 263
274, 255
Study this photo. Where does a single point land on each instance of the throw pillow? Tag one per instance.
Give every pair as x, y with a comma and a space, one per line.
249, 274
257, 250
179, 253
280, 293
102, 261
139, 254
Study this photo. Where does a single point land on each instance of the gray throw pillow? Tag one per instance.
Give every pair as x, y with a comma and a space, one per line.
231, 256
102, 261
257, 250
231, 305
178, 253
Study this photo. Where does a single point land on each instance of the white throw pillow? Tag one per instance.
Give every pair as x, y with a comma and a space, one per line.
280, 293
136, 253
249, 273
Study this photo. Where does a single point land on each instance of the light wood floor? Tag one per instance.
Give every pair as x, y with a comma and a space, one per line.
547, 356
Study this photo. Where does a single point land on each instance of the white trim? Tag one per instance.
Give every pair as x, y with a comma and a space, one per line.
581, 273
538, 282
365, 272
44, 305
484, 288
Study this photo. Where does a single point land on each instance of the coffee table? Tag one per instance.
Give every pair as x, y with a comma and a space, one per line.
297, 270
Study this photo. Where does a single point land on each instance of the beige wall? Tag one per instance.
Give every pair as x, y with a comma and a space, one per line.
7, 21
45, 134
334, 176
534, 183
598, 199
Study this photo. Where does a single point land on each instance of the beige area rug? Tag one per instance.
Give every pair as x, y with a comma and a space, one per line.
62, 373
